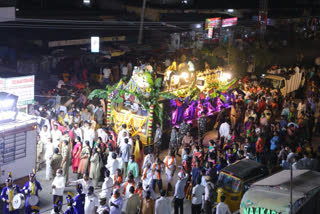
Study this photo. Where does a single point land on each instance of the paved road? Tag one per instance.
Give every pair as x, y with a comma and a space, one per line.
46, 197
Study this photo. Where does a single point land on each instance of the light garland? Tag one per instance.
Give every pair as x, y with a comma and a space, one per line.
150, 122
109, 110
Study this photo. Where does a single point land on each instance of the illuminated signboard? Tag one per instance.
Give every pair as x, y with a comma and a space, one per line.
259, 210
213, 23
23, 87
210, 33
8, 107
229, 22
95, 44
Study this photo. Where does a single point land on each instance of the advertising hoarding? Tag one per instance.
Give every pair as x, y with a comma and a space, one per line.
213, 23
229, 22
23, 87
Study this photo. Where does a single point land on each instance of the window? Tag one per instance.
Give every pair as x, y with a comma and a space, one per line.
12, 147
229, 183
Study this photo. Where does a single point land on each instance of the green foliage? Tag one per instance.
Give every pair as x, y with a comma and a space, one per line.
169, 96
149, 79
100, 93
222, 98
214, 94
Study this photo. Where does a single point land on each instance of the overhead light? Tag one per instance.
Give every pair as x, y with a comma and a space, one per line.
230, 10
198, 25
17, 9
95, 44
86, 1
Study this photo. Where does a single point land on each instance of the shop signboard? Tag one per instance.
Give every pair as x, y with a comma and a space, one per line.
229, 22
23, 87
210, 33
213, 23
95, 44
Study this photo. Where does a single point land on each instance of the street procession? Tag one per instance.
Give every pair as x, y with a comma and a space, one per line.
216, 121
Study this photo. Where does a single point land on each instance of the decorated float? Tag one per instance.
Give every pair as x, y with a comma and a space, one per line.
138, 102
201, 91
134, 103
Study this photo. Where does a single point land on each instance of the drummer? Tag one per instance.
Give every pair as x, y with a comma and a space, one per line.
30, 189
71, 209
79, 200
7, 194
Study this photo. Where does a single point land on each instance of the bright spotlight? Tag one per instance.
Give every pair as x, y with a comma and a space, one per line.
224, 77
184, 75
230, 10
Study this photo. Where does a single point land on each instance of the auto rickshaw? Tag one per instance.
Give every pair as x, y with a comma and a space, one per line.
235, 179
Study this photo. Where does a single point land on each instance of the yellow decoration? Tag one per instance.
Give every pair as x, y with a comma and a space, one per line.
148, 90
120, 119
10, 199
32, 188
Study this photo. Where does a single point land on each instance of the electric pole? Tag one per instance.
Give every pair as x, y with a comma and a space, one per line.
263, 17
141, 22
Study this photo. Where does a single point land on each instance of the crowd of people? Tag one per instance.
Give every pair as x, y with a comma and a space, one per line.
261, 125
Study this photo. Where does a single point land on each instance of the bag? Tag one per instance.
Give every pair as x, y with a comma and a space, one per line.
212, 194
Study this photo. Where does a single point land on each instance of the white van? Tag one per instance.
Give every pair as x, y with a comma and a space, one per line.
286, 84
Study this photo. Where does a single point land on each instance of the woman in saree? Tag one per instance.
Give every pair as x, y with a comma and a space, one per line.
76, 152
138, 152
85, 153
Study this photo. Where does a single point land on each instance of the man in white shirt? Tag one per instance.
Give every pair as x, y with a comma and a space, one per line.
103, 207
113, 164
48, 157
222, 208
197, 192
77, 131
170, 164
88, 134
148, 159
44, 136
225, 131
207, 200
115, 203
107, 186
126, 152
122, 135
91, 202
147, 177
56, 136
163, 204
58, 185
85, 182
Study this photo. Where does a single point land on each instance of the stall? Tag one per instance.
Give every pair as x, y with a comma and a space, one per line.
17, 139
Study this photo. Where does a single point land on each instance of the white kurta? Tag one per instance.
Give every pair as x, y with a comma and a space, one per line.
147, 180
56, 137
48, 156
88, 135
107, 188
59, 182
170, 167
91, 202
112, 166
85, 184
